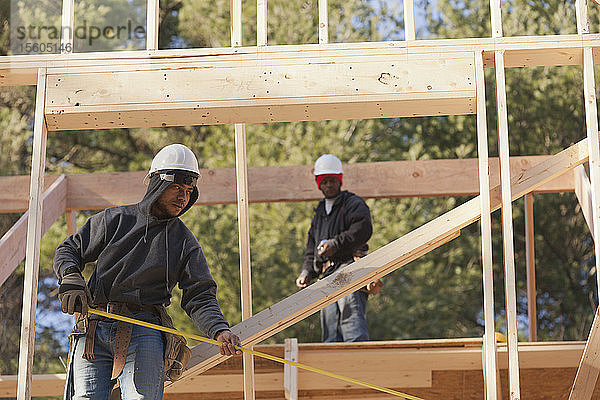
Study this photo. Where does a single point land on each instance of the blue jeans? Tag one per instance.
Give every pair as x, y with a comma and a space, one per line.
142, 376
346, 320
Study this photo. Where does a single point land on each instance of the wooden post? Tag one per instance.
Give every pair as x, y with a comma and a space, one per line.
34, 236
71, 221
507, 231
486, 233
496, 16
290, 373
235, 8
323, 22
583, 22
152, 21
591, 119
583, 191
409, 20
68, 18
530, 261
261, 22
244, 244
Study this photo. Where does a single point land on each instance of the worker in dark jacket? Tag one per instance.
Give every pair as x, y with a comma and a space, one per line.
141, 252
338, 232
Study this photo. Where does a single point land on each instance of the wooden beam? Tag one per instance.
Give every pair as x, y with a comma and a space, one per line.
152, 24
591, 122
507, 231
520, 51
421, 178
379, 357
71, 216
261, 22
251, 92
380, 262
496, 17
589, 366
323, 22
68, 17
34, 236
409, 20
241, 168
581, 13
583, 190
486, 234
530, 262
12, 244
290, 373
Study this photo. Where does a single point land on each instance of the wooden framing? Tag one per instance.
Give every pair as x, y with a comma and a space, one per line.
290, 372
380, 262
530, 262
490, 370
261, 22
323, 22
583, 190
589, 366
67, 22
420, 178
12, 244
507, 230
424, 362
34, 236
152, 23
409, 19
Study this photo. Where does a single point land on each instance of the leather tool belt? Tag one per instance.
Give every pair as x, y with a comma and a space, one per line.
177, 354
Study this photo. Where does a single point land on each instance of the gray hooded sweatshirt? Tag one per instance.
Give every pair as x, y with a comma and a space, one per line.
140, 259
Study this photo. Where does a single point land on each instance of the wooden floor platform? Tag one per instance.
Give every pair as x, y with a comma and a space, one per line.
431, 369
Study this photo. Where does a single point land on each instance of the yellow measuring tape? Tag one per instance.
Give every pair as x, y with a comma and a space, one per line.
256, 353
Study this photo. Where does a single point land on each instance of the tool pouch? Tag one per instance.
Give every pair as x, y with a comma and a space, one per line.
177, 353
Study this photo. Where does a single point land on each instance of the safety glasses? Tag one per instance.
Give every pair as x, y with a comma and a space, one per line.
179, 177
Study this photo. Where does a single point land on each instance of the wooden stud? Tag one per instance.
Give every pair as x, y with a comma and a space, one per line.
486, 234
13, 243
583, 190
241, 167
496, 16
581, 13
422, 178
68, 20
382, 261
589, 366
323, 22
290, 372
409, 20
591, 120
530, 261
235, 8
71, 216
507, 231
261, 22
34, 236
152, 24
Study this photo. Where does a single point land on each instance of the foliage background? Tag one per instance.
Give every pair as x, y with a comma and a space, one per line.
437, 296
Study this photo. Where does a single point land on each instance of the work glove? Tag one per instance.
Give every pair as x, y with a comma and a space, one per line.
73, 294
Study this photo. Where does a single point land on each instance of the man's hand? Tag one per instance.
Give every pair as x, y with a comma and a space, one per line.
302, 281
229, 340
73, 294
325, 250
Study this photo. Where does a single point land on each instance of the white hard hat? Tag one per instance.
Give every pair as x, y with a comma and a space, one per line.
174, 156
328, 164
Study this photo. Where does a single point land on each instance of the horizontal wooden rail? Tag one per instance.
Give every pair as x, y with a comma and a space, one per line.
286, 183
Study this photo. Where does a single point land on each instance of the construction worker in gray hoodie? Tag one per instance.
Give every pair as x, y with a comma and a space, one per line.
141, 252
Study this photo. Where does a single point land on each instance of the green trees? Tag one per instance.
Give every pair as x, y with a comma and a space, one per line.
439, 295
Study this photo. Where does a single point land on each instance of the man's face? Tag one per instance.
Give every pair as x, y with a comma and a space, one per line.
330, 186
172, 201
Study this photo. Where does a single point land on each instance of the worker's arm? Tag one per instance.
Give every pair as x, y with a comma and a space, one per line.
199, 298
308, 272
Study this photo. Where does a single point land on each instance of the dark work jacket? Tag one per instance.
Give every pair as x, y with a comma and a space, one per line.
140, 259
348, 228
